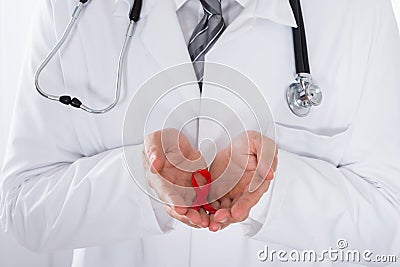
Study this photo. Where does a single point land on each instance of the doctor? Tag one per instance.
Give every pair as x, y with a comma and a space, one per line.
65, 184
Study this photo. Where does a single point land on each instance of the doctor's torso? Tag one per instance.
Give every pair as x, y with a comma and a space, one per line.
257, 43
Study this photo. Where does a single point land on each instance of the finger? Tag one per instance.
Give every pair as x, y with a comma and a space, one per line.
223, 226
194, 217
223, 213
256, 182
275, 162
222, 216
145, 160
180, 210
182, 218
274, 166
182, 154
216, 204
214, 226
220, 227
264, 187
156, 164
154, 152
169, 195
224, 220
171, 212
205, 218
270, 175
241, 208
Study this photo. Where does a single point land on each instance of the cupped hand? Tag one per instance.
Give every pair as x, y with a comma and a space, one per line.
242, 173
169, 161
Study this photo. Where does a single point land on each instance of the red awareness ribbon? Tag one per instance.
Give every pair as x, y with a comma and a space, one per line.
202, 193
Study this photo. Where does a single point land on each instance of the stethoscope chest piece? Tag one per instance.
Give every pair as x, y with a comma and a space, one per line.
302, 95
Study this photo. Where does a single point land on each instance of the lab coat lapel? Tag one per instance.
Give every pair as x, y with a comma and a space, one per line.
239, 26
162, 35
278, 11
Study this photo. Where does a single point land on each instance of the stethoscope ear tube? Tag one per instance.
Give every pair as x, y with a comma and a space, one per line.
134, 16
299, 39
56, 48
135, 11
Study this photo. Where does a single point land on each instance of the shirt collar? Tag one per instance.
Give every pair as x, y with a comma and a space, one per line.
278, 11
179, 3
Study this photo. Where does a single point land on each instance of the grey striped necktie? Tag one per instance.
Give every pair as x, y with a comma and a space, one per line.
205, 35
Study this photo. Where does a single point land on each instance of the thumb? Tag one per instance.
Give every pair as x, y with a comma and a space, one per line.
265, 151
155, 156
157, 162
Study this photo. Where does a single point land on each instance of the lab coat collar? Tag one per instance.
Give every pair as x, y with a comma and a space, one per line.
278, 11
122, 6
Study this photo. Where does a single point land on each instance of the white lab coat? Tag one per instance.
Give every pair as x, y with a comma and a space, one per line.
66, 185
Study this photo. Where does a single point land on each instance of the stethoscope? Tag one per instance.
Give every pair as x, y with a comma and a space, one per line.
300, 95
134, 15
303, 93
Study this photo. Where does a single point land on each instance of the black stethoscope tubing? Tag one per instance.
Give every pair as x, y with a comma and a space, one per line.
299, 39
134, 13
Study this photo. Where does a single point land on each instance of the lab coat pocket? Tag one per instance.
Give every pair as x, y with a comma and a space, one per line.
327, 147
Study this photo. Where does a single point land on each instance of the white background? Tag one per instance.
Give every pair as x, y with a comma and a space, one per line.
14, 23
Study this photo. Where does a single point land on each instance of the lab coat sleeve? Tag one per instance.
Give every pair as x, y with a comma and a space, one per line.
312, 203
53, 196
